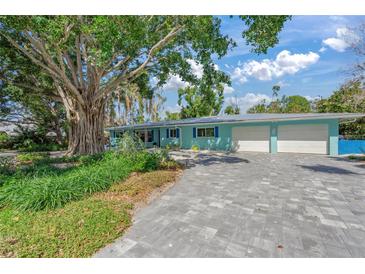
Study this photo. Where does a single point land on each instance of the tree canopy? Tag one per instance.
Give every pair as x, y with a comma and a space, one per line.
89, 60
350, 97
287, 104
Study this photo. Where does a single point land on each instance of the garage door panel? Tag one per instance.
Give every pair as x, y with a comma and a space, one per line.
303, 138
251, 138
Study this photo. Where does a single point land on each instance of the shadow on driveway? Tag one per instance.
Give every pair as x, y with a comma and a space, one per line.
207, 160
328, 169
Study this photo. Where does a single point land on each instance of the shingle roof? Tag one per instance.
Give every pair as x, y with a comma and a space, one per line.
246, 118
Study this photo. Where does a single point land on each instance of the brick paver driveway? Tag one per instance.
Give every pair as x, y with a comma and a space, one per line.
254, 205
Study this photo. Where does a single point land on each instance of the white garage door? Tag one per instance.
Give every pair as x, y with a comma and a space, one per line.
251, 138
303, 138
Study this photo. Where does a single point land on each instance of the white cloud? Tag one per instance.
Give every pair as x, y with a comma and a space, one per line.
248, 100
336, 44
196, 68
228, 89
174, 83
284, 63
322, 49
344, 37
239, 74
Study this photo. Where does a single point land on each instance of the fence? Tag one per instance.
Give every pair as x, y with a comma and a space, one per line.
348, 146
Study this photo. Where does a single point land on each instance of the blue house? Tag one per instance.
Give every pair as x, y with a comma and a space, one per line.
299, 133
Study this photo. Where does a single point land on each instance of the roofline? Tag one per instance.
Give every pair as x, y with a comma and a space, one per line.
342, 116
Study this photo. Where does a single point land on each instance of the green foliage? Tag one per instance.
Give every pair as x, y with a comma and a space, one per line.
63, 59
232, 110
356, 157
289, 104
4, 137
31, 140
275, 91
170, 116
4, 140
200, 101
195, 148
262, 32
80, 228
7, 167
295, 104
259, 108
77, 230
350, 97
31, 157
51, 188
130, 143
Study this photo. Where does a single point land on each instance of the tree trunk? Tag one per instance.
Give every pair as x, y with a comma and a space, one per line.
86, 131
58, 131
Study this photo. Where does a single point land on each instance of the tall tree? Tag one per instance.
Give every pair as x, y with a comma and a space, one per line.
287, 104
229, 110
350, 97
232, 109
172, 116
89, 57
28, 95
205, 98
275, 91
259, 108
295, 104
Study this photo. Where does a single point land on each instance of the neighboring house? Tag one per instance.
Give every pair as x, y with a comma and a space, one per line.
300, 133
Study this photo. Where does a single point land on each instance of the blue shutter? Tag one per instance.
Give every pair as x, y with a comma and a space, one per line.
194, 132
167, 133
177, 133
216, 132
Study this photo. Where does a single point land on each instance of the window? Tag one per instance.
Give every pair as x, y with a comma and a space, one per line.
173, 132
149, 136
206, 132
145, 135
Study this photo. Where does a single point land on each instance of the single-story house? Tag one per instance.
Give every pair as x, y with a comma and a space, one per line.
300, 133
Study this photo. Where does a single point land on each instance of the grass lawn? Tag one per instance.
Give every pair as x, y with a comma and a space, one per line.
357, 157
82, 227
73, 207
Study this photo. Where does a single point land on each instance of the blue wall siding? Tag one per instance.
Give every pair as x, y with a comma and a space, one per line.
223, 142
167, 140
351, 147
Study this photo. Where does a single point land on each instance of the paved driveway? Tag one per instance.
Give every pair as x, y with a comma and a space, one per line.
254, 205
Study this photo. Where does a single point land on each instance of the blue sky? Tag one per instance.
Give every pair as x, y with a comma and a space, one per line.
311, 59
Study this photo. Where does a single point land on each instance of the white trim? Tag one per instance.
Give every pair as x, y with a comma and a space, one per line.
170, 133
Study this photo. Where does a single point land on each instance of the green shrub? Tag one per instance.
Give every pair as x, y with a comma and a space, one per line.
195, 147
52, 188
4, 140
32, 147
130, 143
170, 165
31, 157
6, 169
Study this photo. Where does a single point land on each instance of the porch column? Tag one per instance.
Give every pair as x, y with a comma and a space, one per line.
273, 138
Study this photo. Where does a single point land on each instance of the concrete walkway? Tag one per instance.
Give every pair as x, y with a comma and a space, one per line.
254, 205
